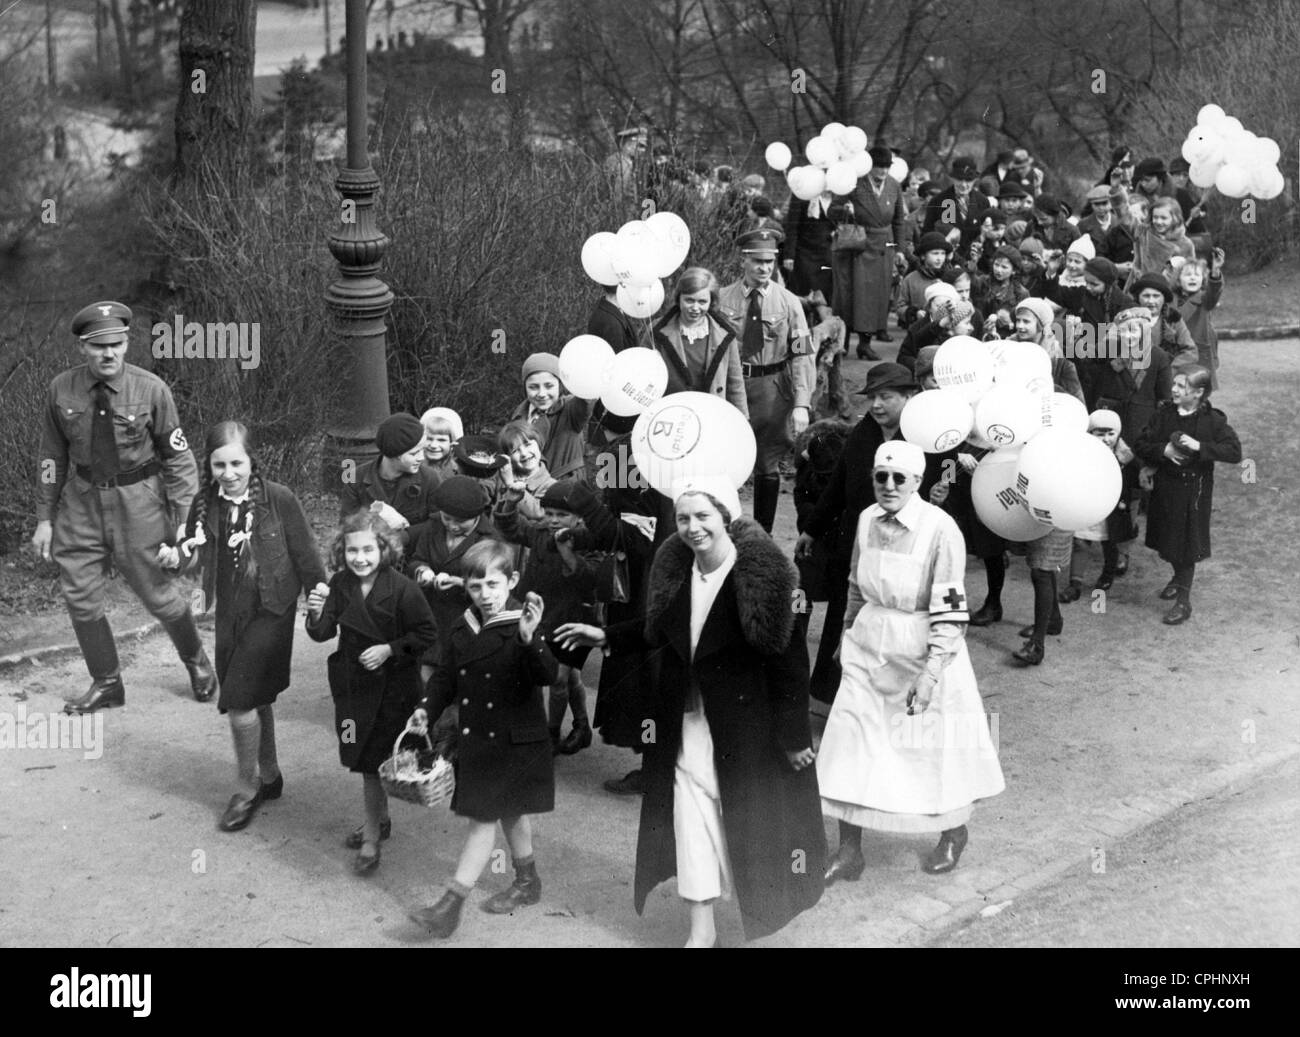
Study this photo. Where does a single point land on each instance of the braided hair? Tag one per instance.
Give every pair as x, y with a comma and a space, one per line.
222, 434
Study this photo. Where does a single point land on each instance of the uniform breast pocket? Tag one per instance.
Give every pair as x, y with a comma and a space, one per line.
131, 422
774, 329
73, 418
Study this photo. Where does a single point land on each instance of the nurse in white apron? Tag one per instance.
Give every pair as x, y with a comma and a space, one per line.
907, 746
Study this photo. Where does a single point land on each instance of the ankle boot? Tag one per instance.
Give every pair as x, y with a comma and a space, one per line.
185, 636
443, 918
525, 890
767, 492
578, 738
100, 652
944, 857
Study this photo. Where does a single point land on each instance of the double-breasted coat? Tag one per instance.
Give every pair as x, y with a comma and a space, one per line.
372, 706
503, 755
430, 548
752, 677
863, 280
1178, 517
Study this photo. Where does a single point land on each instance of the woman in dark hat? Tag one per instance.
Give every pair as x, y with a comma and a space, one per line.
1179, 449
393, 485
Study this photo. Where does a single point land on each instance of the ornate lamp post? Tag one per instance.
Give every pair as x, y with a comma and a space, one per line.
359, 300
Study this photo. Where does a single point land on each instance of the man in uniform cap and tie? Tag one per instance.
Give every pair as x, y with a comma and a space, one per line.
117, 479
776, 359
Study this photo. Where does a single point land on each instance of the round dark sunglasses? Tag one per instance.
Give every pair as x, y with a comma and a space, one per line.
883, 477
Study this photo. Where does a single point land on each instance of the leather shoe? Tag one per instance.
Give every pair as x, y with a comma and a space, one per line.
103, 693
865, 352
628, 785
883, 336
524, 891
848, 868
271, 790
1071, 593
442, 918
1180, 613
357, 836
1121, 567
239, 812
1054, 627
944, 857
1170, 592
1104, 582
1031, 654
987, 615
578, 738
364, 864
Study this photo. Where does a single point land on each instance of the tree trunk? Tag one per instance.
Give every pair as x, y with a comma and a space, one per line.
215, 110
495, 21
125, 56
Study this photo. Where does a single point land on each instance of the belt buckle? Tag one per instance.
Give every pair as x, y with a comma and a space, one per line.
745, 370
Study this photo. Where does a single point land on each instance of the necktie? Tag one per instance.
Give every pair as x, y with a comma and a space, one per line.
753, 341
103, 441
238, 528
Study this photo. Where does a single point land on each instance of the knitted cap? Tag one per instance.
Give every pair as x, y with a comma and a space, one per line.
398, 434
1102, 269
548, 362
460, 497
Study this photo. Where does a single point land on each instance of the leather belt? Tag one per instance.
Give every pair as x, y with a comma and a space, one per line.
762, 370
130, 478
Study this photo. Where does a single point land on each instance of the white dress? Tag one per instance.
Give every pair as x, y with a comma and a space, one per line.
703, 867
877, 767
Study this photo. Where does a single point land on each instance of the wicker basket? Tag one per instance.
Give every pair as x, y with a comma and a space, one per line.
402, 775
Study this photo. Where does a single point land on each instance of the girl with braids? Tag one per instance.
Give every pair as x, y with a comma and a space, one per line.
257, 553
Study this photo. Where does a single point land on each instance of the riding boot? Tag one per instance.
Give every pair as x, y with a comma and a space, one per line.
100, 652
185, 636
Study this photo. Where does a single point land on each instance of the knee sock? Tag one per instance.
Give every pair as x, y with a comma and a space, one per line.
557, 703
578, 698
995, 568
1183, 576
1044, 581
376, 803
268, 764
246, 729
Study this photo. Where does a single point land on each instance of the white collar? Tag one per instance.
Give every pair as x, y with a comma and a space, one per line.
241, 499
720, 570
909, 515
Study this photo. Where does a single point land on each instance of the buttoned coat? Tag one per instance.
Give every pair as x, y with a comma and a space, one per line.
372, 706
722, 373
504, 764
752, 677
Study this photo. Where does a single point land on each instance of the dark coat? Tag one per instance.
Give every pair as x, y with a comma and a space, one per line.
1135, 404
562, 431
607, 321
503, 749
430, 548
753, 680
410, 494
372, 706
942, 208
255, 616
1178, 517
808, 243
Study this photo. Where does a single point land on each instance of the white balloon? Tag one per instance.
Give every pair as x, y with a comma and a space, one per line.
1008, 415
833, 130
598, 257
640, 300
898, 169
820, 151
936, 420
1228, 125
1064, 411
998, 502
674, 238
1210, 115
1070, 479
778, 156
636, 379
964, 364
692, 433
855, 138
584, 362
1233, 180
1203, 174
840, 178
1021, 364
636, 256
861, 162
1267, 151
1267, 183
811, 183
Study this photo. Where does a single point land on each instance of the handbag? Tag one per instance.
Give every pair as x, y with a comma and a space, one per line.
849, 237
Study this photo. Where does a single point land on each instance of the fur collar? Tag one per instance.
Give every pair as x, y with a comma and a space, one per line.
765, 581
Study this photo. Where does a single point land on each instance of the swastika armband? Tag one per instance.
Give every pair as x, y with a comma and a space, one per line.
948, 601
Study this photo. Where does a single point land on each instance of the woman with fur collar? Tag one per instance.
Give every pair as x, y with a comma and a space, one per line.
730, 797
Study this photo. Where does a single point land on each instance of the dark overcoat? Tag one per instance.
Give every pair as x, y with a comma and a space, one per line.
372, 706
1178, 517
752, 678
504, 765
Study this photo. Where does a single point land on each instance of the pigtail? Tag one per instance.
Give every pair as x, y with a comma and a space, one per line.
199, 509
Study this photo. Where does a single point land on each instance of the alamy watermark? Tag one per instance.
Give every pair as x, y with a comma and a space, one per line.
36, 730
190, 340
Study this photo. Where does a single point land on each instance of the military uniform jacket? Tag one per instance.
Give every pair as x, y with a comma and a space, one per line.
503, 749
147, 429
785, 334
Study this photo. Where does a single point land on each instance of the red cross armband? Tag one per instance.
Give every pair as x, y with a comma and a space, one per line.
948, 603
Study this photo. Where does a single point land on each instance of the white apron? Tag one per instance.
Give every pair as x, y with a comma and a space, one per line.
877, 767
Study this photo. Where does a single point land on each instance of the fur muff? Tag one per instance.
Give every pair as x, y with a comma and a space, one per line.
765, 583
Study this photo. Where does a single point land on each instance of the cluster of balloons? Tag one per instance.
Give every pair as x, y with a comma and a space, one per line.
1226, 156
837, 157
626, 383
1045, 470
685, 435
635, 258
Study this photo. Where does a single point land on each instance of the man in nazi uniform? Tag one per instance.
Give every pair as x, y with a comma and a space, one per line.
116, 481
777, 361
